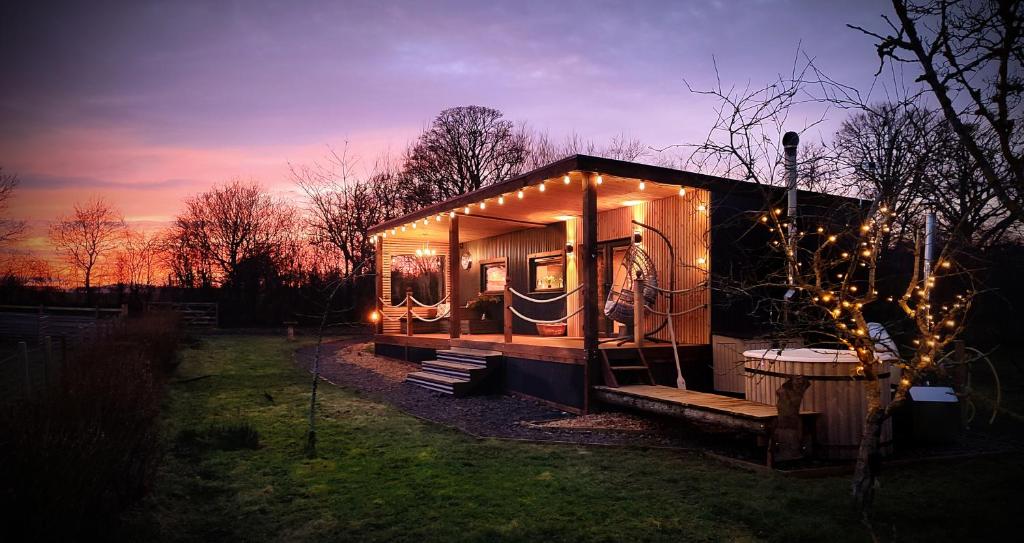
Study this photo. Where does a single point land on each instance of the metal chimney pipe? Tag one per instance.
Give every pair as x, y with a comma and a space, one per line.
929, 242
790, 141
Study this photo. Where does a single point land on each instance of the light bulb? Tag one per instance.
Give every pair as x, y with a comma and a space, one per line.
466, 210
501, 200
565, 179
600, 180
483, 205
682, 191
643, 185
541, 187
520, 194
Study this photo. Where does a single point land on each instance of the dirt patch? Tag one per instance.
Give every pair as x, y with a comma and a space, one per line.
602, 422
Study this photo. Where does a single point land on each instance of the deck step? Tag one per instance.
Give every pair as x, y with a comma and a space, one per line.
437, 382
628, 368
461, 370
470, 356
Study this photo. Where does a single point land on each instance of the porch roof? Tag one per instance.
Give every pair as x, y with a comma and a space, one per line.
558, 202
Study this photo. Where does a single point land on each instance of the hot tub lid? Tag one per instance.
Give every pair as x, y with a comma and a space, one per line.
808, 354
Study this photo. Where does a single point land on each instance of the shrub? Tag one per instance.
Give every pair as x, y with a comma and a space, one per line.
75, 456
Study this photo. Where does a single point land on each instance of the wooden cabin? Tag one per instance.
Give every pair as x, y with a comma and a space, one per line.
463, 282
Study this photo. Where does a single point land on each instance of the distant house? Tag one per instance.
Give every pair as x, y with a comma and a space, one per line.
558, 245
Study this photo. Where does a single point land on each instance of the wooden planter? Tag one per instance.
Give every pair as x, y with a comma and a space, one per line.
551, 330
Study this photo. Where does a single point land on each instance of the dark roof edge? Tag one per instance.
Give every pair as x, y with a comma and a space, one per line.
587, 163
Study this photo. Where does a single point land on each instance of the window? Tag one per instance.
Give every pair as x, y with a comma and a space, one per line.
424, 274
547, 271
492, 275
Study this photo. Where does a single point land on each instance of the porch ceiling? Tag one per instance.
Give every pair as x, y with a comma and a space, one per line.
506, 212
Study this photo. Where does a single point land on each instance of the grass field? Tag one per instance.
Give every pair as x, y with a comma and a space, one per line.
384, 476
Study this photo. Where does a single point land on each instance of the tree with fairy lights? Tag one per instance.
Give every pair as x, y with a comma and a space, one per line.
863, 260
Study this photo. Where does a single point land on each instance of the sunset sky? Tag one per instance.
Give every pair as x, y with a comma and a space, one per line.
147, 102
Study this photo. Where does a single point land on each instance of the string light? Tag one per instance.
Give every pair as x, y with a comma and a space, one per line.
466, 210
599, 179
702, 208
832, 238
451, 214
565, 179
413, 226
682, 191
541, 187
520, 194
403, 228
501, 200
643, 185
483, 205
701, 260
394, 231
438, 217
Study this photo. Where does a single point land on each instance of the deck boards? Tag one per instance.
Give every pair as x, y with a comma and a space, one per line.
703, 400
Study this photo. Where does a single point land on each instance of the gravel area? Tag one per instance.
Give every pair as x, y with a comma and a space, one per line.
350, 364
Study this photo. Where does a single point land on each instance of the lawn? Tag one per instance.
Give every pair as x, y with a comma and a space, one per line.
384, 476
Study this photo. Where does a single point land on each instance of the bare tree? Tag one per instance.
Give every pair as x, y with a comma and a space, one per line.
342, 206
136, 259
465, 148
971, 56
543, 150
234, 224
9, 229
89, 234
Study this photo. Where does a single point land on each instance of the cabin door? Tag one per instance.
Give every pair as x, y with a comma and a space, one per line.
611, 276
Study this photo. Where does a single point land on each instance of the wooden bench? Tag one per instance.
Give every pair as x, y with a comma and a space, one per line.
714, 409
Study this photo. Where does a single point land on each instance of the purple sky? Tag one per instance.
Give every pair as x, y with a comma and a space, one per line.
148, 102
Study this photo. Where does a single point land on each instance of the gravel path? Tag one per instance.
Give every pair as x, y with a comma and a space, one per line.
350, 364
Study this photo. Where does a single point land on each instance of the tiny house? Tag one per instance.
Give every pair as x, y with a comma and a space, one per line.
582, 273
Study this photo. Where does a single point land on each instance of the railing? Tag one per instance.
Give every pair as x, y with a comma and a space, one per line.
409, 302
510, 310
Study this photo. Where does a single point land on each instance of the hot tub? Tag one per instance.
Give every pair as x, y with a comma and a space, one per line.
836, 391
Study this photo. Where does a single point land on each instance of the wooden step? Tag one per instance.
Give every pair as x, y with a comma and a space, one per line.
438, 382
470, 356
460, 370
628, 368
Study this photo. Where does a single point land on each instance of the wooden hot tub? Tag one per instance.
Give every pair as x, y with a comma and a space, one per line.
836, 392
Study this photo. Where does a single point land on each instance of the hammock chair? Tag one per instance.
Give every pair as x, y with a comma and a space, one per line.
619, 305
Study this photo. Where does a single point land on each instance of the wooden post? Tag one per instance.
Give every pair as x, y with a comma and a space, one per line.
588, 264
377, 303
408, 311
454, 313
507, 302
638, 311
23, 353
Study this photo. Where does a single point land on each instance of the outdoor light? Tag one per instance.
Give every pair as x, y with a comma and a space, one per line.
374, 316
682, 191
702, 208
451, 214
637, 238
701, 261
438, 217
569, 247
600, 179
541, 187
643, 185
466, 210
565, 179
520, 194
483, 205
501, 200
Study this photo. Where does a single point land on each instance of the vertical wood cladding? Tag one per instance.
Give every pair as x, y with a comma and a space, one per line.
515, 247
396, 246
687, 226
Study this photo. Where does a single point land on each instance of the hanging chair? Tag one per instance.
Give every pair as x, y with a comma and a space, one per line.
619, 305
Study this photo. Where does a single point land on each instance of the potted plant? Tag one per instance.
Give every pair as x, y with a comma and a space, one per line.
484, 306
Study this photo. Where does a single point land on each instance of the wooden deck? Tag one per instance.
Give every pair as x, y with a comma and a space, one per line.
699, 406
552, 349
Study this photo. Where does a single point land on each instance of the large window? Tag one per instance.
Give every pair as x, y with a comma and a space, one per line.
547, 271
425, 275
492, 275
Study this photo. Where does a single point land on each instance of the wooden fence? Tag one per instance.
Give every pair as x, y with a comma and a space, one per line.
193, 314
